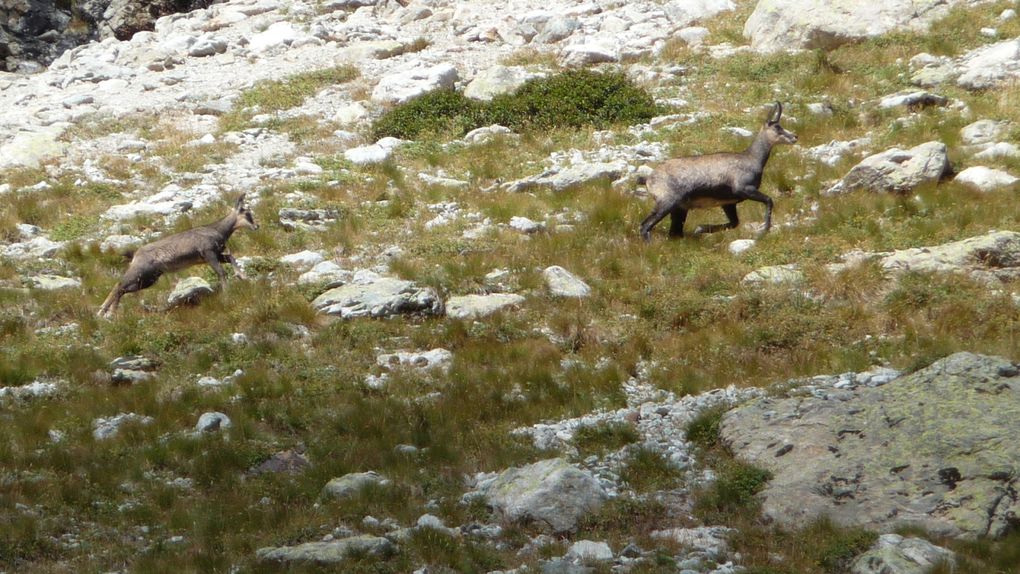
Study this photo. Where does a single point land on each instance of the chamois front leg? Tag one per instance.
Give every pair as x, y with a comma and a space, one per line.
213, 259
662, 209
754, 194
227, 257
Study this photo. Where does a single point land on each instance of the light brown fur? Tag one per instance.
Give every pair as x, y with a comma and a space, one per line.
714, 180
202, 244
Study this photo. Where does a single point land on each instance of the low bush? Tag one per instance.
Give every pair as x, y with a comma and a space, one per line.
575, 98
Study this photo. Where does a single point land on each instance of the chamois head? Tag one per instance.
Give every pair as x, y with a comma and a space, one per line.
775, 133
245, 218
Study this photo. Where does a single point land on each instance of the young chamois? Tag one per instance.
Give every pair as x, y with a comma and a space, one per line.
202, 244
714, 180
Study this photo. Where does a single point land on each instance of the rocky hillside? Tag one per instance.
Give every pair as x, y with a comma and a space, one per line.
446, 348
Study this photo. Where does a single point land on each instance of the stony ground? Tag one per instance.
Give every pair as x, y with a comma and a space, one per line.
452, 351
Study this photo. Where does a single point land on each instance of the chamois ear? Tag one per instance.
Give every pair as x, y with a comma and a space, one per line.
775, 113
239, 204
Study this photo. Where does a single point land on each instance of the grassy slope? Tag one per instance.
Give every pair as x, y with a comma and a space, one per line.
678, 304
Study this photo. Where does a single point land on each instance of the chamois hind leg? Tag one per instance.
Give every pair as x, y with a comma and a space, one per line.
676, 224
132, 281
661, 210
111, 302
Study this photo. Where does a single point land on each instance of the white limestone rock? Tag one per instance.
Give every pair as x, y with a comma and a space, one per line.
563, 283
984, 178
478, 306
399, 87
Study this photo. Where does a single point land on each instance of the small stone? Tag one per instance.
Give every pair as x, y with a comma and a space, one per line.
525, 225
631, 551
303, 260
212, 421
775, 275
106, 428
287, 462
586, 550
350, 484
563, 283
739, 246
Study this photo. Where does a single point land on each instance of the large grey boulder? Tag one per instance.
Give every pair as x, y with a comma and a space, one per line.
781, 25
124, 18
189, 291
371, 295
935, 449
894, 554
552, 493
896, 170
332, 552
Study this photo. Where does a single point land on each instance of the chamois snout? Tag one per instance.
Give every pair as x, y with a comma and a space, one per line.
776, 133
245, 218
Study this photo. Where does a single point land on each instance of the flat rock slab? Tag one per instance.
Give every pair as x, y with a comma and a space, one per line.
332, 552
477, 306
437, 358
775, 275
992, 256
552, 493
370, 295
48, 282
783, 25
935, 449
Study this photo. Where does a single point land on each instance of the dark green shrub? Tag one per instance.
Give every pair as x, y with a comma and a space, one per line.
573, 99
437, 112
569, 99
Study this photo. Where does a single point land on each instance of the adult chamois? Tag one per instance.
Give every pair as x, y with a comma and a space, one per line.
714, 180
202, 244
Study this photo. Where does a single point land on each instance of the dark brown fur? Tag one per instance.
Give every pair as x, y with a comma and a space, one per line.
202, 244
714, 180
